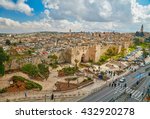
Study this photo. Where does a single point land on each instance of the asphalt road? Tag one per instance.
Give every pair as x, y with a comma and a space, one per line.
112, 93
137, 94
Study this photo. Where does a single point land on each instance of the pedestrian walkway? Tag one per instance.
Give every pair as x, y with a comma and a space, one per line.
135, 94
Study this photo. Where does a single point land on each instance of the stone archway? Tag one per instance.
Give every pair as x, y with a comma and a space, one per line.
83, 58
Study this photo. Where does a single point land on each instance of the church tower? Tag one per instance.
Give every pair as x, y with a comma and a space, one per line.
142, 28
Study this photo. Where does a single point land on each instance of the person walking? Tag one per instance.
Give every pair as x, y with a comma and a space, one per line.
52, 96
125, 85
112, 85
25, 94
109, 84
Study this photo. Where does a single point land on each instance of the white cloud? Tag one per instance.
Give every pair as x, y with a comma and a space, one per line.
140, 13
20, 6
8, 25
52, 25
89, 10
105, 9
51, 4
123, 14
8, 22
84, 15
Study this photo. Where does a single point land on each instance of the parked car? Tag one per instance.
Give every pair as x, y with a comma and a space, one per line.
142, 65
122, 80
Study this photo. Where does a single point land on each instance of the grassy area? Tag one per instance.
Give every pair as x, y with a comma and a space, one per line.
88, 79
29, 84
112, 53
54, 65
67, 71
138, 42
71, 79
36, 71
54, 61
145, 45
30, 69
2, 69
70, 70
43, 69
104, 58
132, 48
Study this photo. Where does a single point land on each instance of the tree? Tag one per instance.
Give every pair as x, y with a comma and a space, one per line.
3, 58
43, 70
112, 51
136, 41
147, 40
53, 61
29, 52
20, 42
31, 70
145, 53
53, 58
2, 69
8, 42
123, 52
104, 58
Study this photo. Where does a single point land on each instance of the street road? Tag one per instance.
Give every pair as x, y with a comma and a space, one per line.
136, 95
112, 93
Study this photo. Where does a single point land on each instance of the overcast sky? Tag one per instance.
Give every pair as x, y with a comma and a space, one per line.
17, 16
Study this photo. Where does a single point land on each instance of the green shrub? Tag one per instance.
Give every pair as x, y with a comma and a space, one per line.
104, 58
30, 69
89, 78
112, 51
29, 84
85, 80
71, 79
3, 90
132, 48
43, 69
54, 65
70, 70
2, 70
18, 78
